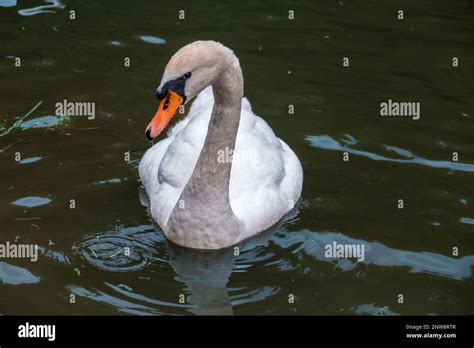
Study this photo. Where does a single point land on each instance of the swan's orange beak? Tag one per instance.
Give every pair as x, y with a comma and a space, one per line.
166, 110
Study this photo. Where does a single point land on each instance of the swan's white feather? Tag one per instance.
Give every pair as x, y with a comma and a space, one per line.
264, 184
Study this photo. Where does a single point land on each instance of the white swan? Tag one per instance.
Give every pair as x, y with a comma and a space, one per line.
199, 195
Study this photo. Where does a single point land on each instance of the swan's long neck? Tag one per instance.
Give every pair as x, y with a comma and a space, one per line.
211, 172
204, 203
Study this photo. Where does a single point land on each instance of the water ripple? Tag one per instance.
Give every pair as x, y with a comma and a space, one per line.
7, 3
119, 251
42, 9
41, 122
30, 160
326, 142
152, 39
31, 201
122, 305
14, 275
380, 255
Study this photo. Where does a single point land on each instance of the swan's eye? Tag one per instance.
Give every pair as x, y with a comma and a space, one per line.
187, 75
167, 102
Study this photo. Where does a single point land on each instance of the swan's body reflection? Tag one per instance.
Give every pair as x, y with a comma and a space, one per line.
206, 273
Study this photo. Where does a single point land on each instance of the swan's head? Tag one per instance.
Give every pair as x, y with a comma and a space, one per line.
189, 71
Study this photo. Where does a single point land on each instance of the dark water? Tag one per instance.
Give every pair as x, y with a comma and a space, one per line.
408, 251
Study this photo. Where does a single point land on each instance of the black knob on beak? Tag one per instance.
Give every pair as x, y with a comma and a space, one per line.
161, 93
148, 134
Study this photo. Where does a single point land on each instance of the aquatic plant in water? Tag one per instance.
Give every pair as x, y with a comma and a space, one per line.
4, 130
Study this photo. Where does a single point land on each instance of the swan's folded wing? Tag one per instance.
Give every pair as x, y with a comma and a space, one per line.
266, 175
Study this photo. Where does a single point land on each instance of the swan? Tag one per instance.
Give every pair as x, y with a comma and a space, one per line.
221, 175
